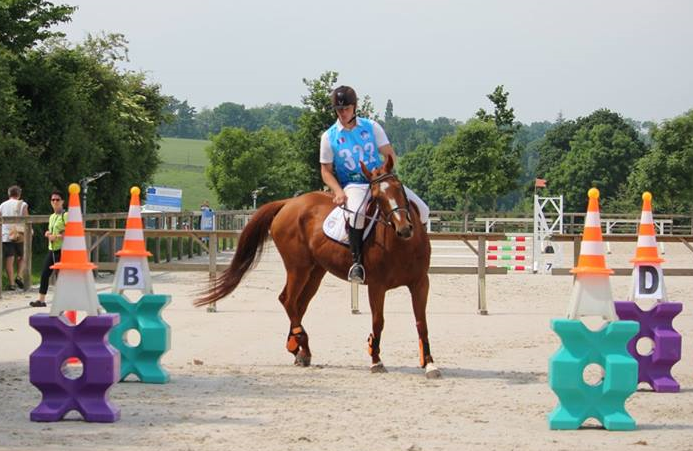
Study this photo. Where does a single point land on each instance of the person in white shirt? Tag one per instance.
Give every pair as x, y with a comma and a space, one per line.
12, 250
350, 140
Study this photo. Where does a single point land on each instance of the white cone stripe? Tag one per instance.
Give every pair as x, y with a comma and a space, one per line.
646, 217
135, 211
647, 241
74, 214
592, 248
592, 219
74, 243
134, 235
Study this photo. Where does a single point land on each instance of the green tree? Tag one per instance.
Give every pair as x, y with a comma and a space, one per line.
179, 120
317, 117
555, 146
406, 134
415, 171
75, 115
25, 23
241, 161
275, 116
503, 116
666, 169
287, 175
18, 163
467, 167
528, 138
236, 166
504, 119
598, 150
389, 111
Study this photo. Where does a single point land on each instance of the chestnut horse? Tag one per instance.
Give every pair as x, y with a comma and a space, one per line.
396, 253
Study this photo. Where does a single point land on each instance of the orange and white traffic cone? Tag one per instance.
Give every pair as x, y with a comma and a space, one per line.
75, 288
132, 272
592, 290
648, 277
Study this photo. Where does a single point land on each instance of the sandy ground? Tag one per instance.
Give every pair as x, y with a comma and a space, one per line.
244, 393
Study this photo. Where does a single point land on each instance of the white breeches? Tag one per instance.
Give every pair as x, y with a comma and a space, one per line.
357, 198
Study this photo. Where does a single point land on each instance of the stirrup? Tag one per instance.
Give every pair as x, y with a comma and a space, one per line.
356, 273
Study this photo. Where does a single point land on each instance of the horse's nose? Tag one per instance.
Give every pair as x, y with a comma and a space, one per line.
405, 232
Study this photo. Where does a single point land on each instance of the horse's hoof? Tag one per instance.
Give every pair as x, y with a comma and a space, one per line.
432, 372
378, 368
302, 360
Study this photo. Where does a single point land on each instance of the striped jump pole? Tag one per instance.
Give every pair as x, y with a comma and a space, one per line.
506, 248
517, 268
505, 257
508, 253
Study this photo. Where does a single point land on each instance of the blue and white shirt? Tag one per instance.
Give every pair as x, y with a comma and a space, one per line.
345, 148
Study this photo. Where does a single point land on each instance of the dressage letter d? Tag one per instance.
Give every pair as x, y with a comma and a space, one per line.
654, 280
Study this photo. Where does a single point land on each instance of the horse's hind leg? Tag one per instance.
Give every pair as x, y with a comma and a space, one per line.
295, 281
376, 299
303, 356
300, 287
419, 298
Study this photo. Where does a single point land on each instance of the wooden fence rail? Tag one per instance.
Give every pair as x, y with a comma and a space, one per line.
178, 227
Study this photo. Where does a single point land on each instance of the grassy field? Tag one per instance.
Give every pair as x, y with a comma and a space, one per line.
183, 166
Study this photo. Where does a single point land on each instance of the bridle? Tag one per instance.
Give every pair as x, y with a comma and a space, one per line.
388, 216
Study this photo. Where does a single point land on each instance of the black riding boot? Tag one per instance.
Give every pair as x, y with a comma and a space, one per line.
356, 272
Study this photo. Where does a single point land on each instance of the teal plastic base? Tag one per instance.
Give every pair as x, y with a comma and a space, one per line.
155, 335
604, 401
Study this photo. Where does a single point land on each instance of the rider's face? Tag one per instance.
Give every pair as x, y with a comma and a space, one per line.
345, 114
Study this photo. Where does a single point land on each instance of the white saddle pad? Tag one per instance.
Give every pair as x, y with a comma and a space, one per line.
335, 226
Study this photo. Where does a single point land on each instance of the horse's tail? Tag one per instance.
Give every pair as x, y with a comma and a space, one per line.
249, 247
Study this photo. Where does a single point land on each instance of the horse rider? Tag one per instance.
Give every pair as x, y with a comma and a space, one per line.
349, 140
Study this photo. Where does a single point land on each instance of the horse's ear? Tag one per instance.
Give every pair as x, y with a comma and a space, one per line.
388, 164
365, 171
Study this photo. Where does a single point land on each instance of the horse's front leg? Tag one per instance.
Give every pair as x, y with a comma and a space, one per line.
419, 298
376, 298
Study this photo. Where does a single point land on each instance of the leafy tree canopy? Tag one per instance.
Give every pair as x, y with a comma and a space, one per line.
69, 113
665, 170
468, 167
25, 23
242, 161
599, 150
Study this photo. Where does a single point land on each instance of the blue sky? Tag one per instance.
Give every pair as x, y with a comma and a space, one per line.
431, 57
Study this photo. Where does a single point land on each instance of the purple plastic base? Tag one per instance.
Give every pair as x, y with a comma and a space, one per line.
87, 394
656, 324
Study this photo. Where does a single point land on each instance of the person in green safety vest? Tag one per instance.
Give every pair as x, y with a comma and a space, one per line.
54, 234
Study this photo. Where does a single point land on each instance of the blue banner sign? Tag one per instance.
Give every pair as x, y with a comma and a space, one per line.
160, 198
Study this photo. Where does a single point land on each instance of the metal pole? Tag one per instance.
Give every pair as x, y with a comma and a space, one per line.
481, 278
85, 187
355, 298
211, 308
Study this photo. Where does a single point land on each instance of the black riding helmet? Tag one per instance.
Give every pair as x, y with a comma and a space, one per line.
342, 97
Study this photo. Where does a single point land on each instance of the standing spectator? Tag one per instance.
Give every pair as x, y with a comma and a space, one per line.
54, 234
205, 205
206, 218
11, 248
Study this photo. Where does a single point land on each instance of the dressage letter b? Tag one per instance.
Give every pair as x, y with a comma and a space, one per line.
130, 277
643, 287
